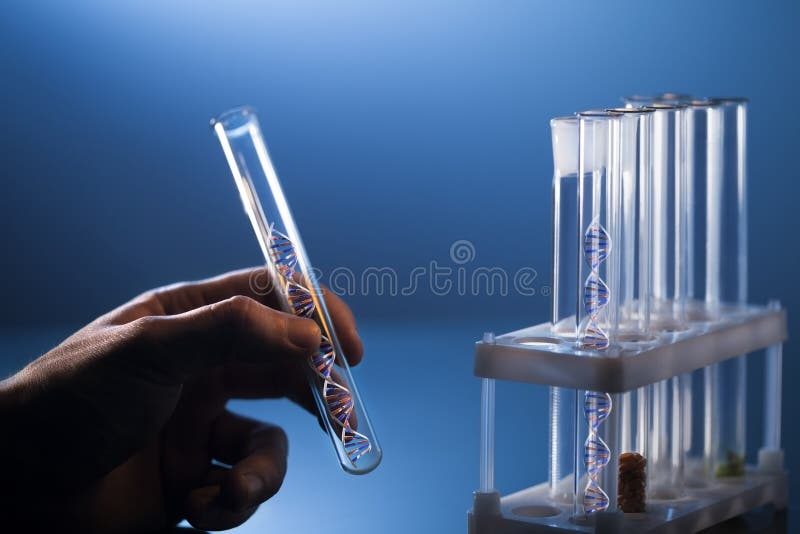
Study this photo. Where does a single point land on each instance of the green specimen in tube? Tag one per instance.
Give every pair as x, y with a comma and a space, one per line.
732, 467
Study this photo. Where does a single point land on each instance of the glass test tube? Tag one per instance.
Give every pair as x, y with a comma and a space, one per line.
730, 414
730, 398
698, 424
597, 443
599, 210
770, 456
290, 272
773, 390
566, 234
666, 447
562, 443
703, 249
635, 288
634, 245
703, 175
566, 239
634, 434
669, 218
733, 201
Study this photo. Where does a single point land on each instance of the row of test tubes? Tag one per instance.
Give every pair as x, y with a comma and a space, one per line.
650, 238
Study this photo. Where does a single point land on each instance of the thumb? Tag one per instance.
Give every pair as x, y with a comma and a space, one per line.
238, 328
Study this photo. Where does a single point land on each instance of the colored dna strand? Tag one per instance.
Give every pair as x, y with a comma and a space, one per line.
337, 398
596, 247
596, 406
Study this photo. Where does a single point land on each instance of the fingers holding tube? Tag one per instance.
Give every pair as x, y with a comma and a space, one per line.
253, 282
182, 297
235, 329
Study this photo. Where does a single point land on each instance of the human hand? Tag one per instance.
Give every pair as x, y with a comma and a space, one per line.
115, 429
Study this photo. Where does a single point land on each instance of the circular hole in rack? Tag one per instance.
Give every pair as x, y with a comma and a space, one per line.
669, 327
636, 338
700, 316
534, 510
540, 341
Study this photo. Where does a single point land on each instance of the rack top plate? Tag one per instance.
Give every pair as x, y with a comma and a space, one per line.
534, 355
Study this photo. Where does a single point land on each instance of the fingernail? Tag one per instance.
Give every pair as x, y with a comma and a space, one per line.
254, 485
304, 333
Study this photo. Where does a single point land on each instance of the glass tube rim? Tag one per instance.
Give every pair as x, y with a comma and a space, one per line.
730, 100
234, 118
674, 97
703, 103
596, 114
632, 111
564, 118
664, 106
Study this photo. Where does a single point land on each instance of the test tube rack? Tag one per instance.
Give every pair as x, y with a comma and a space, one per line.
645, 352
533, 355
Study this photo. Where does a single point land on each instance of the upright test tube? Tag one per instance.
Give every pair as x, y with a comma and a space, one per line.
634, 245
770, 456
704, 249
733, 201
730, 416
566, 239
698, 424
566, 235
634, 440
291, 274
666, 446
730, 398
562, 442
635, 287
669, 217
703, 175
663, 401
599, 206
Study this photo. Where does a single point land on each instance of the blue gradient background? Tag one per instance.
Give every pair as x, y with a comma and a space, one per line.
409, 125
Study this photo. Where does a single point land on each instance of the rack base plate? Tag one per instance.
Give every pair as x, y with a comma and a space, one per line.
523, 512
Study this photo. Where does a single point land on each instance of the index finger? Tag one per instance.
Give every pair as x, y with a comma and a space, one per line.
256, 283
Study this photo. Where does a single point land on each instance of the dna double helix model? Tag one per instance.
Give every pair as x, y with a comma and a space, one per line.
337, 398
596, 405
596, 247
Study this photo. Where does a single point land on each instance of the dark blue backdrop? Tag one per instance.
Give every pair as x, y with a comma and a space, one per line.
410, 124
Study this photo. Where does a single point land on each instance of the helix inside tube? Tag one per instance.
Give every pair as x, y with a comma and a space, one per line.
292, 277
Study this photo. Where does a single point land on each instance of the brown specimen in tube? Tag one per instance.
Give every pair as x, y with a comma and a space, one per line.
632, 482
